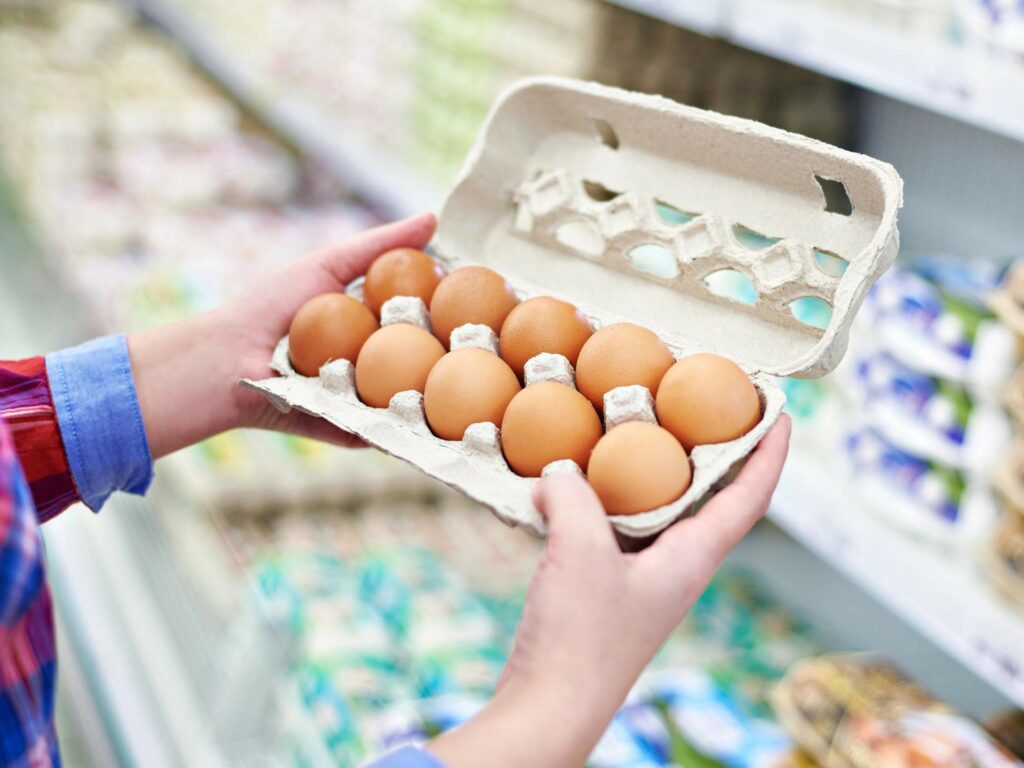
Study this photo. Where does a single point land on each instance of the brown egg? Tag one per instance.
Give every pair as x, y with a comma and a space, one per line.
619, 355
543, 324
547, 422
636, 467
467, 386
707, 399
401, 272
395, 359
331, 326
470, 295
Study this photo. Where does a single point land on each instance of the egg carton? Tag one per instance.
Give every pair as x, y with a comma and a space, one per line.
625, 204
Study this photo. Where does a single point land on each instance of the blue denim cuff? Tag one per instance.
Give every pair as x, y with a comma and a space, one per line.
407, 757
100, 422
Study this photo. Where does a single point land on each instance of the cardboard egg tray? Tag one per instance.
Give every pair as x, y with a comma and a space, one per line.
624, 204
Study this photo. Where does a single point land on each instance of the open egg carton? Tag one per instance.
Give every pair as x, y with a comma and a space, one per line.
631, 207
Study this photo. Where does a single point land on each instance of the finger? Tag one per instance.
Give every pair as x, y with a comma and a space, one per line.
576, 520
701, 542
350, 259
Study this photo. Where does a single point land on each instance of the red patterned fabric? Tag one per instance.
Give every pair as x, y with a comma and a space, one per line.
26, 406
35, 484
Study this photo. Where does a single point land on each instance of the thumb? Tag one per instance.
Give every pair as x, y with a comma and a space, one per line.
577, 522
350, 259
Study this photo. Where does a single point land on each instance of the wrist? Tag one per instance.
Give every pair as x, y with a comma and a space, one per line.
185, 376
544, 723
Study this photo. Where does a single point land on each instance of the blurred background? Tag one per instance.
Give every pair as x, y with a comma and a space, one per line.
274, 602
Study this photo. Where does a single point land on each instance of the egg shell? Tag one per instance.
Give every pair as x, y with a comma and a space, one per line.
397, 358
476, 295
620, 355
637, 467
707, 399
548, 422
543, 324
331, 326
401, 272
467, 386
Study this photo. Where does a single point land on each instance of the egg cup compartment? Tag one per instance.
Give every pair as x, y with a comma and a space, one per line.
630, 207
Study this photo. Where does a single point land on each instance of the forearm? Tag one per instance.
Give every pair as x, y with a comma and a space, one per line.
544, 726
186, 380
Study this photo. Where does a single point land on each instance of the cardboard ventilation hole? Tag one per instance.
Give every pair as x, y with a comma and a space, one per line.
630, 206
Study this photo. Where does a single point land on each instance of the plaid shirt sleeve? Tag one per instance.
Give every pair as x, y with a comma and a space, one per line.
27, 406
70, 430
35, 484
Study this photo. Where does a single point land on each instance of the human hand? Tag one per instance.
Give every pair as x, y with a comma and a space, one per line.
595, 617
187, 373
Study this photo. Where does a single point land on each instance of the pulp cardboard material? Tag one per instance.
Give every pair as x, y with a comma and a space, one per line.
624, 204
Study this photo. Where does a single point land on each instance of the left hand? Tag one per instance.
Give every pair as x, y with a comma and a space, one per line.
187, 374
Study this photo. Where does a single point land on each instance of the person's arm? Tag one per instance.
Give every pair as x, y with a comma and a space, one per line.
89, 420
187, 373
595, 617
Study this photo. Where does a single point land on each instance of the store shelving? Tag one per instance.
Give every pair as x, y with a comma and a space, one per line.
940, 594
953, 607
963, 82
703, 16
372, 174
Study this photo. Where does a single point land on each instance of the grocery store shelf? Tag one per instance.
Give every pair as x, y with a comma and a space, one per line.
367, 171
941, 595
964, 83
704, 16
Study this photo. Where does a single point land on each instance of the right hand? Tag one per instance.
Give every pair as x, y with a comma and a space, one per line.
595, 617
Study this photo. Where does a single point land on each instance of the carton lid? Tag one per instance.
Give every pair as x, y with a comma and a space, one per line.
643, 209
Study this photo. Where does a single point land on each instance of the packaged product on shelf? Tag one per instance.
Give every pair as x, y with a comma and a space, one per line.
467, 668
929, 417
583, 238
713, 723
442, 713
620, 747
995, 24
325, 713
857, 710
1004, 560
742, 636
644, 720
941, 329
1008, 477
1008, 728
921, 497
